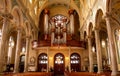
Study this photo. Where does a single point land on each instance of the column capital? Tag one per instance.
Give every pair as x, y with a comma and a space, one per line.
89, 37
64, 30
108, 15
7, 15
19, 28
28, 37
71, 11
53, 20
96, 28
46, 11
53, 29
65, 20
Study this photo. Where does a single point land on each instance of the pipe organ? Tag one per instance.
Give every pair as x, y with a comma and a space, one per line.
58, 28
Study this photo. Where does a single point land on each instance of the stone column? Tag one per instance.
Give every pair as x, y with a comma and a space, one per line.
111, 45
6, 17
48, 59
18, 48
90, 55
46, 23
69, 60
64, 30
98, 50
53, 32
26, 53
71, 21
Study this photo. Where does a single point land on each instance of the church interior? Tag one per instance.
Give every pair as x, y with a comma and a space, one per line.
59, 37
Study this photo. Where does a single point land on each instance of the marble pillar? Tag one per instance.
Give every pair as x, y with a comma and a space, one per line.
90, 54
18, 49
26, 54
64, 31
69, 59
71, 12
111, 45
98, 50
52, 33
6, 17
46, 23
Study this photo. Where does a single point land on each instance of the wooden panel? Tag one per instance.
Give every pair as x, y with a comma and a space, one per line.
87, 74
30, 74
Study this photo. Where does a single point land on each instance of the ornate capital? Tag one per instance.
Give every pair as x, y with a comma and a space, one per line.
64, 30
107, 15
53, 20
28, 36
46, 11
71, 11
89, 37
65, 20
97, 28
7, 15
19, 28
53, 30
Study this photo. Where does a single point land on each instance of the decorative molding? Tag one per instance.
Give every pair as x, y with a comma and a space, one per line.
32, 61
108, 15
7, 15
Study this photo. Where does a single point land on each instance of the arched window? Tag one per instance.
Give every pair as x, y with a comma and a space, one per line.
42, 62
75, 62
59, 64
10, 48
21, 64
22, 58
59, 59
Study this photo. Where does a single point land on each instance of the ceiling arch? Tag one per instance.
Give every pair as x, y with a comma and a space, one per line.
65, 4
98, 17
90, 28
17, 14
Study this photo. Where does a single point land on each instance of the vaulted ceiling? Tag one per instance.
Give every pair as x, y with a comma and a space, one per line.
35, 7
